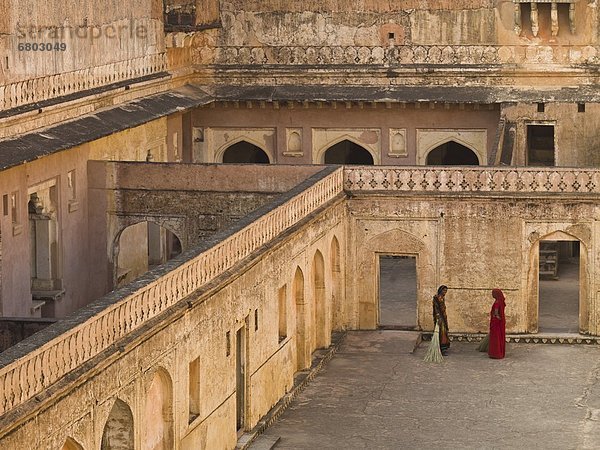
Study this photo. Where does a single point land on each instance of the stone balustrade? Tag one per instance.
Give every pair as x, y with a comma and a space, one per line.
400, 55
40, 368
497, 180
36, 90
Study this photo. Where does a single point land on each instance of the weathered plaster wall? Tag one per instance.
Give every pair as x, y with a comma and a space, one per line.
471, 244
92, 36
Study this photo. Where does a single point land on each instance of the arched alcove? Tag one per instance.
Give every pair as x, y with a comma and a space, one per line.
245, 152
118, 430
320, 301
302, 347
347, 152
400, 243
141, 247
337, 313
452, 153
158, 413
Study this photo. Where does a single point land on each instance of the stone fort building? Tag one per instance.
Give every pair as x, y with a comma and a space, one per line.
176, 290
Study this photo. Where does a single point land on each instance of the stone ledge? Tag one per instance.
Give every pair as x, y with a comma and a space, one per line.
541, 338
301, 380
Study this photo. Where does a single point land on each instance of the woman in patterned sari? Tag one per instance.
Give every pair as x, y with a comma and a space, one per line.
440, 317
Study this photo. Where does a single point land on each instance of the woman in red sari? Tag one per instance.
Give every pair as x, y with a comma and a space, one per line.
441, 318
497, 346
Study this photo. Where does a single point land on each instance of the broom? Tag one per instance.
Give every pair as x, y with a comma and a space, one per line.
434, 354
484, 344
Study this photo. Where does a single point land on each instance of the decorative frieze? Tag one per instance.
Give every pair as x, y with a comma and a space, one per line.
404, 54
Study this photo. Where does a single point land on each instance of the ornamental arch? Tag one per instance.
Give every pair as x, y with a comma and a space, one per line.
335, 146
575, 233
394, 242
473, 140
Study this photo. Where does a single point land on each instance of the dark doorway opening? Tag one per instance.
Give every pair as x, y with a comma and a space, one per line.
347, 152
559, 287
452, 154
397, 292
540, 145
244, 152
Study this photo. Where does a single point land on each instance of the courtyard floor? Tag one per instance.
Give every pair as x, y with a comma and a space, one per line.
377, 394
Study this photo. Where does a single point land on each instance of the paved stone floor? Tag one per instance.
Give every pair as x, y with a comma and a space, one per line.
376, 394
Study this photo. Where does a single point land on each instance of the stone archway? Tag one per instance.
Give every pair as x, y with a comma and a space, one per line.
244, 152
302, 343
452, 153
574, 233
320, 307
393, 242
118, 430
139, 247
158, 413
347, 152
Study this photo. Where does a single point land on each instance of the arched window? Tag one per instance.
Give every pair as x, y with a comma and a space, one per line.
347, 152
141, 247
452, 153
244, 152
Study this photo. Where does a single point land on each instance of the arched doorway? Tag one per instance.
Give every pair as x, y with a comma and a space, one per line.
302, 350
347, 152
559, 268
452, 153
245, 152
141, 247
320, 301
158, 414
118, 431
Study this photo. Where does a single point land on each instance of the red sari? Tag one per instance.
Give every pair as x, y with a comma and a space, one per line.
497, 346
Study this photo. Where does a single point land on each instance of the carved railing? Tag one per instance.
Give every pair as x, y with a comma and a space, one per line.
400, 55
37, 370
44, 88
526, 180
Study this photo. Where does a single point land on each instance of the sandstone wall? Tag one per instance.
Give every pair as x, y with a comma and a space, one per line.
205, 332
472, 244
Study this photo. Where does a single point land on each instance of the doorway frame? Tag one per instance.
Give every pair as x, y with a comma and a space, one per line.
378, 256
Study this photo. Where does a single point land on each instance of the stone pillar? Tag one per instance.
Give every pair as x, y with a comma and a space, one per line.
554, 18
518, 27
572, 17
535, 26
